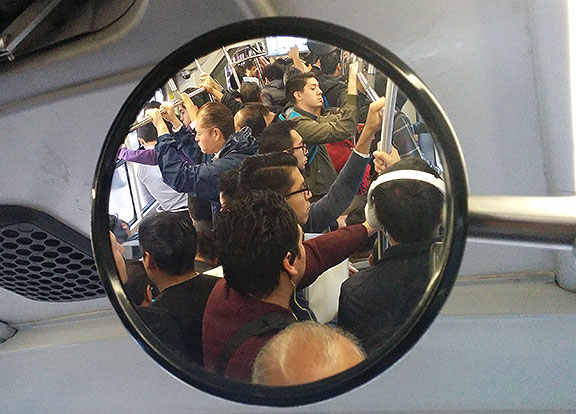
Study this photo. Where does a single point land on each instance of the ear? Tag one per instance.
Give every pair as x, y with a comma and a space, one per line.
141, 141
148, 261
297, 96
288, 264
216, 133
148, 299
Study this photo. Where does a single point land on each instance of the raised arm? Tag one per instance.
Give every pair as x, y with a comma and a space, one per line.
146, 156
213, 88
327, 250
294, 54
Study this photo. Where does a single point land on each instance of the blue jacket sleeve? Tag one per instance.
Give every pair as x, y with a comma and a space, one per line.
180, 160
200, 179
339, 196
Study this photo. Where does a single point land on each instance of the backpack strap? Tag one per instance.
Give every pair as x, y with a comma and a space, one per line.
268, 323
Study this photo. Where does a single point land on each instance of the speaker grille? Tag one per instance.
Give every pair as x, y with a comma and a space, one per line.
45, 260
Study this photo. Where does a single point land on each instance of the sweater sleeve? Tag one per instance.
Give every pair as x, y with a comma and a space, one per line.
327, 250
332, 127
148, 156
339, 196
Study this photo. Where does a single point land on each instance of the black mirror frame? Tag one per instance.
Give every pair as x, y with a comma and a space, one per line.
454, 236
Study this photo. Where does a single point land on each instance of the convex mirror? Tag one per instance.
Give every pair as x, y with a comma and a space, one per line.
264, 40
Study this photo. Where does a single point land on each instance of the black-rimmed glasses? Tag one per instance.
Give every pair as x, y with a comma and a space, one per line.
305, 189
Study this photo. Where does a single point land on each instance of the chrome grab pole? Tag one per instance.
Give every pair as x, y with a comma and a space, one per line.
388, 117
533, 221
372, 94
386, 132
147, 119
201, 71
231, 66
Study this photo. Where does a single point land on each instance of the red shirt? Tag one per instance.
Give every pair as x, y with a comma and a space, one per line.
228, 310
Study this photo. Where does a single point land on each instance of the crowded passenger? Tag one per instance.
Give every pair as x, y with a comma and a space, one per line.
306, 352
213, 149
250, 116
139, 287
250, 92
151, 177
406, 202
318, 128
168, 244
273, 96
273, 171
265, 260
254, 177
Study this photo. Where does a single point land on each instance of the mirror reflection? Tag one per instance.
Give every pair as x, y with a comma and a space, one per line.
276, 210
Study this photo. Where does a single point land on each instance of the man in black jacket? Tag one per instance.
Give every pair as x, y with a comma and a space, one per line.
168, 243
406, 201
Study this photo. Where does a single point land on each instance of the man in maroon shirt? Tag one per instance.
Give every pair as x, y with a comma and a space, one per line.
264, 261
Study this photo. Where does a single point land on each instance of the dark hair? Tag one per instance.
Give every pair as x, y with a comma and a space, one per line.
310, 58
330, 62
253, 234
217, 115
251, 117
199, 99
151, 104
228, 183
259, 107
206, 244
241, 72
170, 238
297, 83
271, 171
273, 72
138, 280
250, 92
115, 226
409, 210
249, 64
199, 208
288, 73
276, 137
147, 132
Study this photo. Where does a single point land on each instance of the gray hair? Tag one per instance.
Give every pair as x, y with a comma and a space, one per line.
322, 343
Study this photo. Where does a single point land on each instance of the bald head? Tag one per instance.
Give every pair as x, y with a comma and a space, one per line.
306, 352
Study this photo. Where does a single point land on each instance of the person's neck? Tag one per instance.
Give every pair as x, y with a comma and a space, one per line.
268, 118
314, 111
149, 145
282, 294
164, 282
220, 146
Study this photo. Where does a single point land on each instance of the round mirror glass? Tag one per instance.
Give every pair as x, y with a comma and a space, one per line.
213, 278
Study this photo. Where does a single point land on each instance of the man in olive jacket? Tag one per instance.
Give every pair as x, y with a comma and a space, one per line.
319, 127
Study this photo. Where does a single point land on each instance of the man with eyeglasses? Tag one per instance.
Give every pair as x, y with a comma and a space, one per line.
277, 172
282, 137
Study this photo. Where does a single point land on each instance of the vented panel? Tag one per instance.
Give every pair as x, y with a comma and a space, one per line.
43, 259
